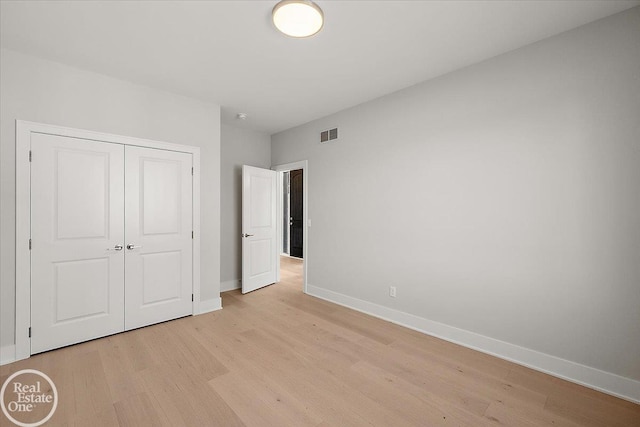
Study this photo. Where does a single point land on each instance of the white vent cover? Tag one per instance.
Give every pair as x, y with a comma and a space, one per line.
328, 135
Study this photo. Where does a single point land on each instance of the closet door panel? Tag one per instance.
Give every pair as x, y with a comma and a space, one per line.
158, 236
77, 232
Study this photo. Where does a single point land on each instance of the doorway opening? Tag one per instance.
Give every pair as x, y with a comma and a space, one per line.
292, 213
293, 224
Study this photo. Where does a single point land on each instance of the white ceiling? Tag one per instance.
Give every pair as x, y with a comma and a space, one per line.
228, 52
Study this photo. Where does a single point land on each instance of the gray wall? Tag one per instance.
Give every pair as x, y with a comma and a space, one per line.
502, 199
43, 91
238, 147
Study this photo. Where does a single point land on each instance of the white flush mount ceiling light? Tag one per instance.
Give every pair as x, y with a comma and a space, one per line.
298, 18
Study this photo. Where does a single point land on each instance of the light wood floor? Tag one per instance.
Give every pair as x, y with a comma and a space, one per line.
277, 357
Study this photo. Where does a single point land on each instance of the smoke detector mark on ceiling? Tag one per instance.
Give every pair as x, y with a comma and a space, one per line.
328, 135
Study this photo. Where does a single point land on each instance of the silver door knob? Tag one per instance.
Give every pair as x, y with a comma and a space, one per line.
247, 235
115, 248
132, 247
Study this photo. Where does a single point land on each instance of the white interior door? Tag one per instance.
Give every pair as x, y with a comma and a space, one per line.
77, 233
158, 236
259, 243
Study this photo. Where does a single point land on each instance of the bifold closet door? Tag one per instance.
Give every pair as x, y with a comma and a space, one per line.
77, 234
158, 230
111, 232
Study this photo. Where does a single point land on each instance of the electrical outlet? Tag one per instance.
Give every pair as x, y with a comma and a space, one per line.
392, 291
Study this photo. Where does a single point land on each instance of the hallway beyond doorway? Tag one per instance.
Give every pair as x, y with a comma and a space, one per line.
291, 271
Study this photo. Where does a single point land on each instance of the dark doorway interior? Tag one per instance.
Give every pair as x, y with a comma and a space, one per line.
295, 213
285, 213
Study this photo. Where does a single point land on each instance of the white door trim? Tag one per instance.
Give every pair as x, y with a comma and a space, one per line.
304, 165
24, 129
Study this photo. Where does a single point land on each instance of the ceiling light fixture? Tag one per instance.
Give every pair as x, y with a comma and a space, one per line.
298, 18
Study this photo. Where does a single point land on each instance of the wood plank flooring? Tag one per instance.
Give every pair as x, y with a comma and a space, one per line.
277, 357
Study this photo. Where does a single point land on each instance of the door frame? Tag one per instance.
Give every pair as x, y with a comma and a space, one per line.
304, 165
24, 129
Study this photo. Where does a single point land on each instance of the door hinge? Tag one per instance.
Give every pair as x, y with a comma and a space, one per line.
29, 331
30, 155
191, 297
192, 234
191, 171
29, 244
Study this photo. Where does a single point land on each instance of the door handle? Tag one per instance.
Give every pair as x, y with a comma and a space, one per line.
247, 235
115, 248
132, 247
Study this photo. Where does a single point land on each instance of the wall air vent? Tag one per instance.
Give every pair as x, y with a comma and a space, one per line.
328, 135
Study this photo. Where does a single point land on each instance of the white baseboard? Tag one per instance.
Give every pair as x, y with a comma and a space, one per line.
230, 285
209, 305
606, 382
7, 354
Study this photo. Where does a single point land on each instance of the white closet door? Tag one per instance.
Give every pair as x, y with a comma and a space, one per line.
77, 217
158, 236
